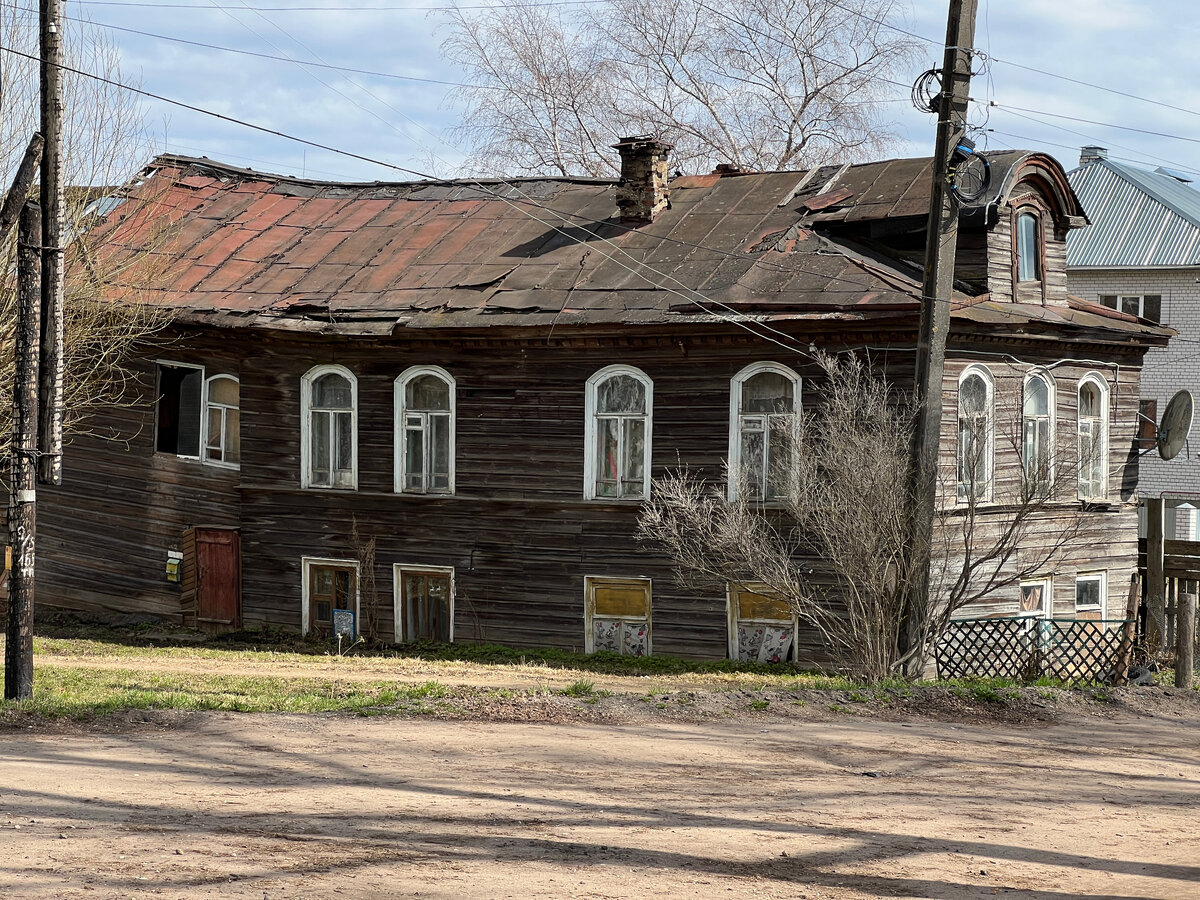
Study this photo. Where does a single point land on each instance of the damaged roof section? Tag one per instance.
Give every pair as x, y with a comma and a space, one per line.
369, 258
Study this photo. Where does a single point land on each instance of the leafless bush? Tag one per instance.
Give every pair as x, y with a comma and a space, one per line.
836, 543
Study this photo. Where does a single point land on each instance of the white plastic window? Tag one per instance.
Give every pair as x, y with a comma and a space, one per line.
1092, 431
425, 409
329, 424
222, 436
763, 404
1037, 426
617, 432
975, 434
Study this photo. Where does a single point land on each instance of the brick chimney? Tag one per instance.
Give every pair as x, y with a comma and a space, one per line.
1092, 153
642, 193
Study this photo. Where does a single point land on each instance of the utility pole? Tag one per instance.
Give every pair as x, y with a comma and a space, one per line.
940, 247
51, 375
22, 510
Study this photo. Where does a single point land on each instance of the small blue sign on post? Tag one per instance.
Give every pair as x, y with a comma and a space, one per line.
343, 624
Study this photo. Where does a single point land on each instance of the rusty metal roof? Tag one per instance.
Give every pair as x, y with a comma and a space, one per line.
271, 251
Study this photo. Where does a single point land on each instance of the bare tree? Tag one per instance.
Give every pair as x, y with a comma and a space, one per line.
833, 538
104, 141
760, 84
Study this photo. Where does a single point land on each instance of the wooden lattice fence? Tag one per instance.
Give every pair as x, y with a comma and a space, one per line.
1025, 649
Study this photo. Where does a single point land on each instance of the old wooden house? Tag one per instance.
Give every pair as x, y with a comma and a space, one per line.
439, 405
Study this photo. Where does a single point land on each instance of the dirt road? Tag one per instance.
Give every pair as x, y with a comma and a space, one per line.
224, 805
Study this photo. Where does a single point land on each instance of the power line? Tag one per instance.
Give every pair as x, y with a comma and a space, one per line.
704, 303
268, 56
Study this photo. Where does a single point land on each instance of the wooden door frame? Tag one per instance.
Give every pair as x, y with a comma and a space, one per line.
306, 565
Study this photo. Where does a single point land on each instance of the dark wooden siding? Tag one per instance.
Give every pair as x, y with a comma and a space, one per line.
518, 533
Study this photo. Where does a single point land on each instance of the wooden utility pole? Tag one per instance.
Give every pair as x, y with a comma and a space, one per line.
18, 647
940, 247
1156, 578
51, 376
14, 200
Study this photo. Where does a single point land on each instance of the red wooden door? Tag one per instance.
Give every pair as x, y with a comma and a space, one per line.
219, 581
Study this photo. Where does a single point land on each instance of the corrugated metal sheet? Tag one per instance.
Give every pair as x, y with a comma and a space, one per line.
1140, 219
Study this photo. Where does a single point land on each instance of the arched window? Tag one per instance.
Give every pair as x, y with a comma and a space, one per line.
425, 431
222, 437
329, 424
1092, 429
1028, 247
619, 404
975, 439
764, 399
1037, 426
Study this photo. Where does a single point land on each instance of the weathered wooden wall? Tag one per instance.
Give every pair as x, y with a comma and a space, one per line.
517, 532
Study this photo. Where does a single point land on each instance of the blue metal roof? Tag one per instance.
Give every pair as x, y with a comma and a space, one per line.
1139, 218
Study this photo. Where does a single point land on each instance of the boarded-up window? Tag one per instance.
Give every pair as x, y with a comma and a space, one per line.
1147, 433
617, 616
177, 425
761, 626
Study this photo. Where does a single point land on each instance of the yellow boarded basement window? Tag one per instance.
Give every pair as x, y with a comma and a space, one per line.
617, 615
761, 626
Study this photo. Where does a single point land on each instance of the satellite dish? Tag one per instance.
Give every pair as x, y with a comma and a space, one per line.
1176, 425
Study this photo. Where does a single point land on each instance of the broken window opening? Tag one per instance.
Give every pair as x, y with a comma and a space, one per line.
177, 412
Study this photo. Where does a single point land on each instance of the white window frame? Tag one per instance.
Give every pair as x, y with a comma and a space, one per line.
306, 564
1051, 422
989, 450
171, 364
1036, 250
733, 618
1102, 578
306, 386
400, 438
398, 571
736, 424
591, 466
1047, 611
1141, 304
206, 405
1102, 384
589, 609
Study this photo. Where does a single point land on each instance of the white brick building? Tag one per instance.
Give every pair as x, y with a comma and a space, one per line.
1141, 255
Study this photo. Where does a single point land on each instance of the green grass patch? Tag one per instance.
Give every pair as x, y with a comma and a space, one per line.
86, 693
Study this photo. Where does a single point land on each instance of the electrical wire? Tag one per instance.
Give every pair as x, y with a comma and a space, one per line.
705, 303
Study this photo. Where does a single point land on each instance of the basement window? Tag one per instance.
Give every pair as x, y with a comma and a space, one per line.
424, 603
617, 615
329, 584
761, 627
177, 413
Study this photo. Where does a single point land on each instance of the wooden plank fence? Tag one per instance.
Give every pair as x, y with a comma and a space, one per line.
1171, 570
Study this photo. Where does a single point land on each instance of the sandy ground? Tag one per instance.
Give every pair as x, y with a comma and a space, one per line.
225, 805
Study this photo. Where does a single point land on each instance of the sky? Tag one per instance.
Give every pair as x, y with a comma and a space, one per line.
1130, 47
